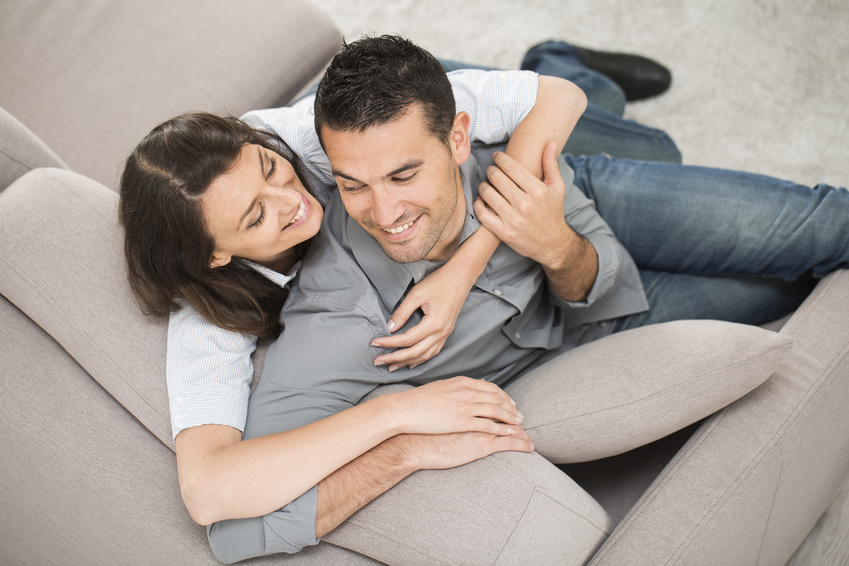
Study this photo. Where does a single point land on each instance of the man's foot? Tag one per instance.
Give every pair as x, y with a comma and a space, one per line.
638, 76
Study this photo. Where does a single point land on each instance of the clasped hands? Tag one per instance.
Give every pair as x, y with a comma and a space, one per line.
451, 422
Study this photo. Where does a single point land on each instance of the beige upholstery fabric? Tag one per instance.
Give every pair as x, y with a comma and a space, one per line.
92, 78
635, 387
21, 151
756, 476
76, 287
83, 482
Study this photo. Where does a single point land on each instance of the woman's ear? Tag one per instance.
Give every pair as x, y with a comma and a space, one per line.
219, 259
461, 145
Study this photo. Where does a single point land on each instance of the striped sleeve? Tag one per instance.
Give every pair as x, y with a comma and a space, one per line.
209, 372
497, 101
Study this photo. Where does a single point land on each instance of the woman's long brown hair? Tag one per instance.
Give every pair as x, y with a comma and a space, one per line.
167, 245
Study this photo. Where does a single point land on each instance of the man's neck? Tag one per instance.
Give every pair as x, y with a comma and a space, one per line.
451, 236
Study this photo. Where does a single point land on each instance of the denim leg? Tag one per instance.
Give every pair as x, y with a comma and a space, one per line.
747, 300
705, 221
599, 130
559, 59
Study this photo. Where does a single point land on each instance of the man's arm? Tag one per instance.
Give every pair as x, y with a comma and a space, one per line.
354, 485
527, 214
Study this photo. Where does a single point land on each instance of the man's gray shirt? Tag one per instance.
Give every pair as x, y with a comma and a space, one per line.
348, 288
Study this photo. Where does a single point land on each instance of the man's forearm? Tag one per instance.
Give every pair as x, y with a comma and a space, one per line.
358, 482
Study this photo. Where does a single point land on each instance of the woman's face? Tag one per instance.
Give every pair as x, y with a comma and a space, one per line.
259, 210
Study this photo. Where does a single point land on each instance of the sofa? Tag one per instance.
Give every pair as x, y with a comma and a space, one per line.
735, 471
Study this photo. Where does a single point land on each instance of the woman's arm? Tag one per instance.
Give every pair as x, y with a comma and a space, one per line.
559, 104
225, 477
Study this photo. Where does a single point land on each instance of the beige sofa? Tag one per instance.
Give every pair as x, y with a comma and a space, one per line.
88, 473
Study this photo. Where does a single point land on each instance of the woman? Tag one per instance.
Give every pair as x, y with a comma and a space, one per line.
224, 284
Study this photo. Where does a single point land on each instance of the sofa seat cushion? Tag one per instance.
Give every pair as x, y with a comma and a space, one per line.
631, 388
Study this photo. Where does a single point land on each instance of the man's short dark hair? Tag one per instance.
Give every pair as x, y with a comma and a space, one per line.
376, 79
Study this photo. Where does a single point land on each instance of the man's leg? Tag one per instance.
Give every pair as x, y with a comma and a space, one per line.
732, 233
747, 300
599, 130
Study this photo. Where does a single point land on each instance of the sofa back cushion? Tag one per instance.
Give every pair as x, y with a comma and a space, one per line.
61, 263
92, 78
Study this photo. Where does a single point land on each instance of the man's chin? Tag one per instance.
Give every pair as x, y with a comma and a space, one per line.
402, 253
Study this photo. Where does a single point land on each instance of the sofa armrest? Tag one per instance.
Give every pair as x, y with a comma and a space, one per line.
753, 480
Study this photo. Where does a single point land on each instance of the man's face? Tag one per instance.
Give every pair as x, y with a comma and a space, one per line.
402, 184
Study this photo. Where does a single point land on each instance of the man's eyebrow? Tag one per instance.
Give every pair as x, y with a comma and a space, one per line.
406, 167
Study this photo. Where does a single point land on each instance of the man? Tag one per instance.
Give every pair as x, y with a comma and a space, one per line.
408, 178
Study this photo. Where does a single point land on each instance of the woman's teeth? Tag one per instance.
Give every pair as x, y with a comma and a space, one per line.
300, 213
399, 229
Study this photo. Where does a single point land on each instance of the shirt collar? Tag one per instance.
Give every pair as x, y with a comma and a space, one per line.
390, 278
281, 279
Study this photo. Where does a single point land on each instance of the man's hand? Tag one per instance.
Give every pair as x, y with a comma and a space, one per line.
350, 487
527, 214
443, 451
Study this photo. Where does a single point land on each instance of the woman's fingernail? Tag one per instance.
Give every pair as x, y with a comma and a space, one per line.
520, 417
391, 325
378, 364
392, 368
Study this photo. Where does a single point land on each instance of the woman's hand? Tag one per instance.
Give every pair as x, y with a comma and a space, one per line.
459, 404
440, 296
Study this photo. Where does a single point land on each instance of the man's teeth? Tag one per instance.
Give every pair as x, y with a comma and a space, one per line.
300, 213
399, 229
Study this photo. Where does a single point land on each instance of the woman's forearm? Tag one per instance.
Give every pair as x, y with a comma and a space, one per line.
558, 107
224, 477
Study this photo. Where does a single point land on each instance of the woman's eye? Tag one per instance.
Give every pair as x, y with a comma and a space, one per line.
261, 218
272, 169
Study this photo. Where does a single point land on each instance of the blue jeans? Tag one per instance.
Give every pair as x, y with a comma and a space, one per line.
719, 244
601, 129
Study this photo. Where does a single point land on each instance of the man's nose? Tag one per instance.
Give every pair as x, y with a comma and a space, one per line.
386, 209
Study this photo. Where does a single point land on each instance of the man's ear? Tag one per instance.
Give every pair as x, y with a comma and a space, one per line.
461, 145
219, 259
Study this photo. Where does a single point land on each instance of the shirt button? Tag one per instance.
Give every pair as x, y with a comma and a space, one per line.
180, 400
517, 335
497, 292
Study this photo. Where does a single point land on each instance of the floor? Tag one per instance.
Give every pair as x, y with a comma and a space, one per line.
759, 86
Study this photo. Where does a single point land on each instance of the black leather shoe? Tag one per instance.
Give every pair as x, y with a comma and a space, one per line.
638, 76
